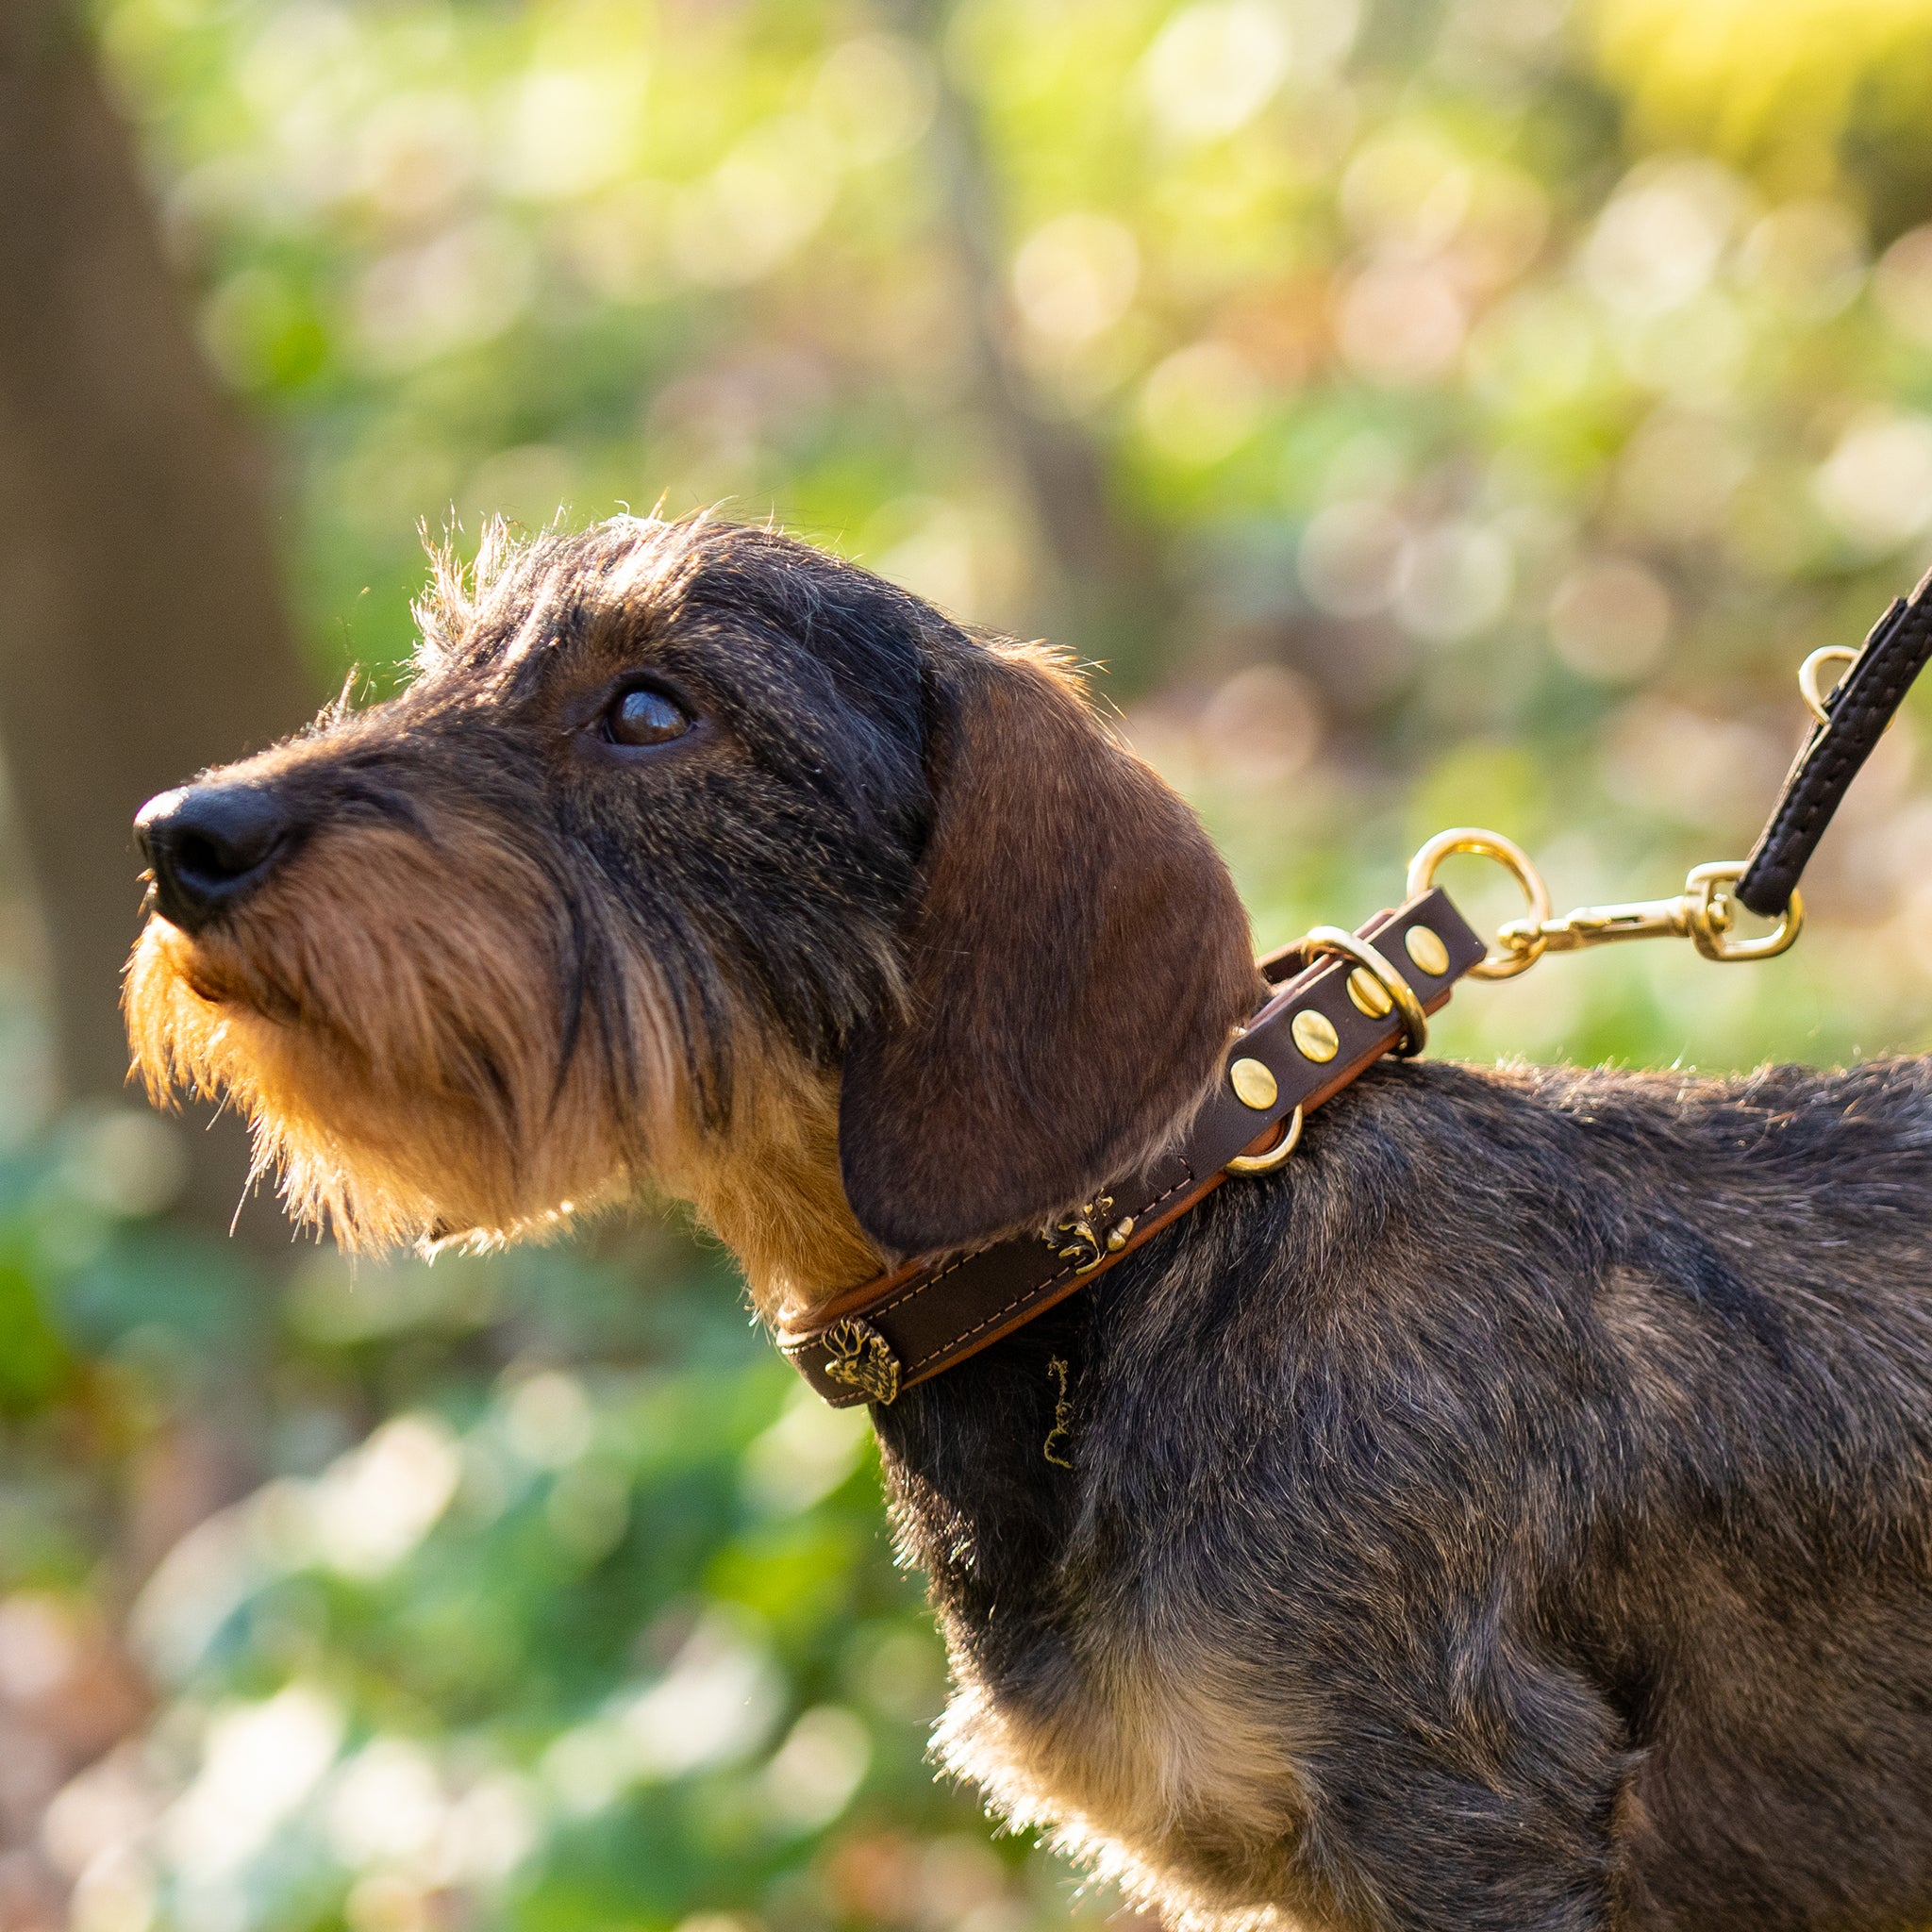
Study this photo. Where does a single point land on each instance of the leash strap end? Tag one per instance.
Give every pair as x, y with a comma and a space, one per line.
1855, 717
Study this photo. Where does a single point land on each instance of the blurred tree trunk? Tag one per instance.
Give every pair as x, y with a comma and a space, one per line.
1106, 593
141, 628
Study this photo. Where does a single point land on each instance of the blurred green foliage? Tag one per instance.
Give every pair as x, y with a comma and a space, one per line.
596, 1626
1486, 405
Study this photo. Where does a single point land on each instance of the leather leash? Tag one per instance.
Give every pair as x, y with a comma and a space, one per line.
1341, 1001
1850, 722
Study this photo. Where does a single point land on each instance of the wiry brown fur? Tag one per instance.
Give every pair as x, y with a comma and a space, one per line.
1529, 1489
769, 1187
378, 1131
400, 1010
1513, 1516
373, 1023
1001, 1090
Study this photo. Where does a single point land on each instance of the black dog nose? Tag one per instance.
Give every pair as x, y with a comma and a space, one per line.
208, 846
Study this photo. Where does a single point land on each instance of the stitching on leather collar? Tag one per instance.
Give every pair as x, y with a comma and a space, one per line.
1028, 1293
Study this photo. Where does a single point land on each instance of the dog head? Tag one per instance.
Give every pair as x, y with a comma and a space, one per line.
692, 856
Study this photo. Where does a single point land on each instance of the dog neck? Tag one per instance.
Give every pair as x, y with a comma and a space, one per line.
769, 1189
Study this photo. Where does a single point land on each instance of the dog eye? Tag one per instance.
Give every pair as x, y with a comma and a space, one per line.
643, 717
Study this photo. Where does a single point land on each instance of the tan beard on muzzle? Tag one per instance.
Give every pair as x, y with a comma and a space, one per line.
385, 1014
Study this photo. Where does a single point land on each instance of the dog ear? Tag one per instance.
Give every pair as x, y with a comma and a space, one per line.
1077, 957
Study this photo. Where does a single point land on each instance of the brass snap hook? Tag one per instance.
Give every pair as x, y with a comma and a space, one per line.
1702, 913
1708, 915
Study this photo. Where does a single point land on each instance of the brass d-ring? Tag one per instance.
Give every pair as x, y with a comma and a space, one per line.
1815, 700
1252, 1164
1511, 856
1348, 945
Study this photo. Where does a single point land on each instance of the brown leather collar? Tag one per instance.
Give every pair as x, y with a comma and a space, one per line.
1314, 1035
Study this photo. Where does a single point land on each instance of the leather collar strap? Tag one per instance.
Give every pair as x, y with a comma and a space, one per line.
1314, 1036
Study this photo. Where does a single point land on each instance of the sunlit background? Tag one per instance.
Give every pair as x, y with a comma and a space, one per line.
1427, 414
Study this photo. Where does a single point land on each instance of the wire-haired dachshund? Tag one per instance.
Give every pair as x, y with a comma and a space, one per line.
1514, 1513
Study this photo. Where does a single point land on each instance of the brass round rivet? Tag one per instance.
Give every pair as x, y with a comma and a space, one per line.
1423, 944
1252, 1083
1315, 1037
1368, 995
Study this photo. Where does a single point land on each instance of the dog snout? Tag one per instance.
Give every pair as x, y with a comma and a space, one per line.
209, 847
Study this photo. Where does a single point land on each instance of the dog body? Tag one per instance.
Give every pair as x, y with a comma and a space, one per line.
1517, 1512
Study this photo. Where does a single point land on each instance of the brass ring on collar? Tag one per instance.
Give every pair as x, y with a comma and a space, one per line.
1516, 862
1347, 946
1249, 1165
